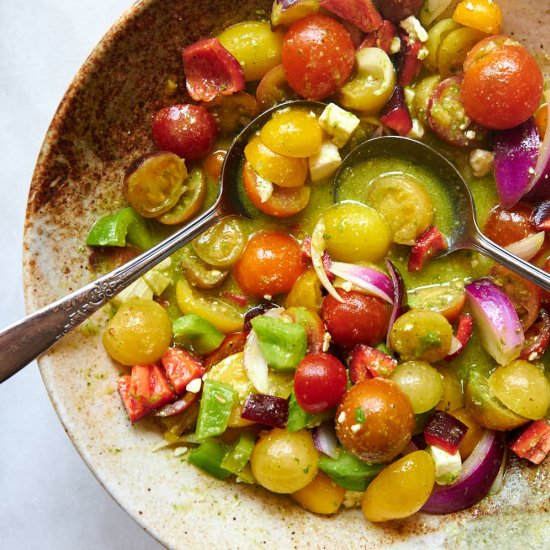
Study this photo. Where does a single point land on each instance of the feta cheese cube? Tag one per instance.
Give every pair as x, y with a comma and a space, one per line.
481, 162
447, 466
325, 162
339, 123
412, 26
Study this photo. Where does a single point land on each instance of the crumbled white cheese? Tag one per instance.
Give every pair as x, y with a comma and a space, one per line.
423, 53
470, 134
417, 131
355, 428
412, 26
325, 162
194, 386
395, 45
342, 417
268, 297
410, 94
264, 188
339, 123
465, 123
447, 466
326, 341
482, 162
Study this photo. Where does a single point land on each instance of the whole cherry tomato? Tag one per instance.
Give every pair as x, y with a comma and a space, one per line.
503, 84
269, 264
505, 227
360, 319
375, 420
318, 56
186, 130
319, 382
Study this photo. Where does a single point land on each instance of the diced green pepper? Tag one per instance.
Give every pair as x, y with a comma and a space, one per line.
208, 457
348, 471
238, 455
192, 331
216, 403
299, 419
115, 229
282, 344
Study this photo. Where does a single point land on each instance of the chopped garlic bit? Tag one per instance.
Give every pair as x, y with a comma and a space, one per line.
482, 162
194, 386
326, 341
412, 26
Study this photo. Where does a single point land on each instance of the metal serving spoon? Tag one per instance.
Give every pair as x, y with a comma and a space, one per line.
25, 340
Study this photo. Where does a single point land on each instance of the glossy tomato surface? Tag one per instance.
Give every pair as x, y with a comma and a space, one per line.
507, 226
189, 131
319, 382
269, 265
318, 56
360, 319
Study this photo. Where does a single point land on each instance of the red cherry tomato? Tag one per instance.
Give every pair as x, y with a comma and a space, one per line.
360, 319
189, 131
505, 227
319, 382
375, 420
269, 264
283, 202
318, 56
503, 84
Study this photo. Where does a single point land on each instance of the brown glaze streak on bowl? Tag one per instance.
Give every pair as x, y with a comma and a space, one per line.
101, 127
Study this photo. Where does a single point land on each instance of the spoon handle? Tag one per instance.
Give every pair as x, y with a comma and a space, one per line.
25, 340
509, 260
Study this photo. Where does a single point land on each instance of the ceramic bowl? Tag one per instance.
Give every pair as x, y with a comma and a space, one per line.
102, 124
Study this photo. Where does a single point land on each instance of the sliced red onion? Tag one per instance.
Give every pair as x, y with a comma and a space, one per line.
324, 439
529, 247
266, 409
399, 296
366, 278
255, 365
516, 154
479, 472
464, 330
500, 328
496, 487
456, 346
317, 252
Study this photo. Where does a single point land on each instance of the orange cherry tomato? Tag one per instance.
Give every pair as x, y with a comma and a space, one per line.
502, 86
212, 164
483, 15
269, 264
283, 202
508, 226
541, 119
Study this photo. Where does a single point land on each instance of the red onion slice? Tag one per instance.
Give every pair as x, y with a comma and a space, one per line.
479, 472
399, 296
500, 328
366, 278
266, 409
324, 439
529, 247
516, 154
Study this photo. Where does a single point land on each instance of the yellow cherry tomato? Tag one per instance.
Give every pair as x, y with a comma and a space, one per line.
321, 496
483, 15
255, 46
293, 133
473, 435
400, 489
306, 291
281, 170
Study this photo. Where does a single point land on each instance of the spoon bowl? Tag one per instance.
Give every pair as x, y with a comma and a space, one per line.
464, 232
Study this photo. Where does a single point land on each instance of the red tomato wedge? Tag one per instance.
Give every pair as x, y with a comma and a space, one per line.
430, 243
367, 362
181, 367
361, 13
534, 443
210, 70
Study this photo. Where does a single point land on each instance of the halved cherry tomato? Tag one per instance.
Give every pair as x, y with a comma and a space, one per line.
446, 298
273, 88
366, 362
537, 337
213, 163
232, 112
278, 169
181, 366
283, 201
319, 382
360, 319
524, 295
269, 265
483, 15
318, 56
503, 84
189, 131
505, 227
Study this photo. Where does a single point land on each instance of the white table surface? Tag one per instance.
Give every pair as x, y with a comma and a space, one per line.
48, 497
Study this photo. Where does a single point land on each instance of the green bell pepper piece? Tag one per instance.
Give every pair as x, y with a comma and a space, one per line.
216, 403
208, 457
282, 344
298, 419
115, 229
239, 453
192, 331
348, 471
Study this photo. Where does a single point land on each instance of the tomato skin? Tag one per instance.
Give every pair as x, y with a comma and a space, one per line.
360, 319
503, 88
319, 382
189, 131
318, 56
213, 163
507, 226
269, 264
387, 420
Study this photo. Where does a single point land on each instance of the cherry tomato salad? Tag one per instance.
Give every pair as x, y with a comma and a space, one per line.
318, 349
